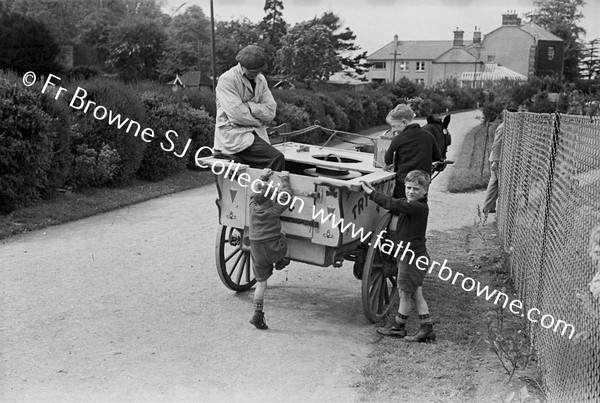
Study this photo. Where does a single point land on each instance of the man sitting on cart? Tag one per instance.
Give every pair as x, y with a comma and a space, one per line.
245, 106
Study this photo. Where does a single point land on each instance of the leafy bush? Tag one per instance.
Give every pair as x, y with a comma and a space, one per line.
83, 72
335, 116
541, 104
60, 134
199, 100
94, 134
25, 144
200, 127
93, 168
385, 103
163, 116
371, 112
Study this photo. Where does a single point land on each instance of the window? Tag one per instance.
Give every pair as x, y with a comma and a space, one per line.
420, 81
491, 58
403, 66
420, 66
550, 52
379, 65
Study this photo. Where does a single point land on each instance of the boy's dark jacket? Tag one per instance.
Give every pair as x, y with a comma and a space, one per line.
415, 148
412, 219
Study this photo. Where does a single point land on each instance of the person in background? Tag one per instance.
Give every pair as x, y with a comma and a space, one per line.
491, 195
412, 148
245, 106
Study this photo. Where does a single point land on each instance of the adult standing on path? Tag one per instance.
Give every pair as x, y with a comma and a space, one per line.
245, 106
412, 147
491, 196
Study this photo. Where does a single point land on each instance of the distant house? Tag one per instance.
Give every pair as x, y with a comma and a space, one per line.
344, 81
192, 79
514, 51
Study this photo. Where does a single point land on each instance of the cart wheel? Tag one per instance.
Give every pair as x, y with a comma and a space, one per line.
233, 259
379, 286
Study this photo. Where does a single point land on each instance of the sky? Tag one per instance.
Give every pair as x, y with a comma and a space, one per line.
375, 22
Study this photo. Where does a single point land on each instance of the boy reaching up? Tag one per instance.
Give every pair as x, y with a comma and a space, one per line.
412, 214
268, 245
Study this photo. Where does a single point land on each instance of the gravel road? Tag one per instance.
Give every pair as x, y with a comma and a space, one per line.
128, 306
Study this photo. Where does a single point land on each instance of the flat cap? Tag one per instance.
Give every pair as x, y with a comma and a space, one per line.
252, 57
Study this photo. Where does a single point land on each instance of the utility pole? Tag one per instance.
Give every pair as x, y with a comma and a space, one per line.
212, 42
395, 55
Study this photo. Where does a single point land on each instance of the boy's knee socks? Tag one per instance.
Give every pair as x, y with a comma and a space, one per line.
258, 305
425, 319
401, 319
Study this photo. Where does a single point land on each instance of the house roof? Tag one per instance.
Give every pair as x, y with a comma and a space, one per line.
456, 55
191, 79
493, 72
342, 78
539, 32
413, 50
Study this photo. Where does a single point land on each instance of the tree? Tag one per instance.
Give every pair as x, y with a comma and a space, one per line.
26, 44
273, 24
560, 17
231, 37
308, 53
273, 28
188, 43
590, 64
137, 46
343, 43
94, 32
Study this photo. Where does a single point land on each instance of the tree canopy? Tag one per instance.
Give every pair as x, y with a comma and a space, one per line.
26, 45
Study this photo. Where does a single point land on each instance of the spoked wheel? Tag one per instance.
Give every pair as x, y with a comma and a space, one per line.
379, 285
234, 263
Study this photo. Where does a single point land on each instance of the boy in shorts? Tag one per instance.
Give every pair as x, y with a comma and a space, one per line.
268, 245
412, 225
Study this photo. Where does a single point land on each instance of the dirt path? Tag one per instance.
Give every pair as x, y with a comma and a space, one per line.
128, 306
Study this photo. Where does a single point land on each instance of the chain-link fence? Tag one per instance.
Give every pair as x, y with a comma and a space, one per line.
549, 220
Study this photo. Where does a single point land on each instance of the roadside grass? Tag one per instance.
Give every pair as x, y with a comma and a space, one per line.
70, 206
458, 367
471, 171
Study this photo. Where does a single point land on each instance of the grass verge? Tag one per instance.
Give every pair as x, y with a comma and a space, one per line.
70, 206
472, 171
458, 367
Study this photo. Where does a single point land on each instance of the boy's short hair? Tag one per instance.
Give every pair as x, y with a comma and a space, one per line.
420, 177
260, 197
400, 112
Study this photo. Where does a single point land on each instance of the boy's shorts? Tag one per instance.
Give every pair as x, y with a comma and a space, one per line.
265, 253
410, 277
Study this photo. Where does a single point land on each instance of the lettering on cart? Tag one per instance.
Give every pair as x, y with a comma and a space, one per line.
360, 205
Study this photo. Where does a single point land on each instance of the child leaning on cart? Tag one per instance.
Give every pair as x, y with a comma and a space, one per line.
268, 245
412, 225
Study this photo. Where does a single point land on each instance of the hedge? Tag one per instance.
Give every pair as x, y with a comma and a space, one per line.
94, 134
26, 144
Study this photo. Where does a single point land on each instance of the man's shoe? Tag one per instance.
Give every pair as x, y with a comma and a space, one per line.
282, 263
394, 330
424, 335
258, 320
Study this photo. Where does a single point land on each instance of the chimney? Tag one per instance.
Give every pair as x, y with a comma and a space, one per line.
510, 18
476, 37
458, 38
